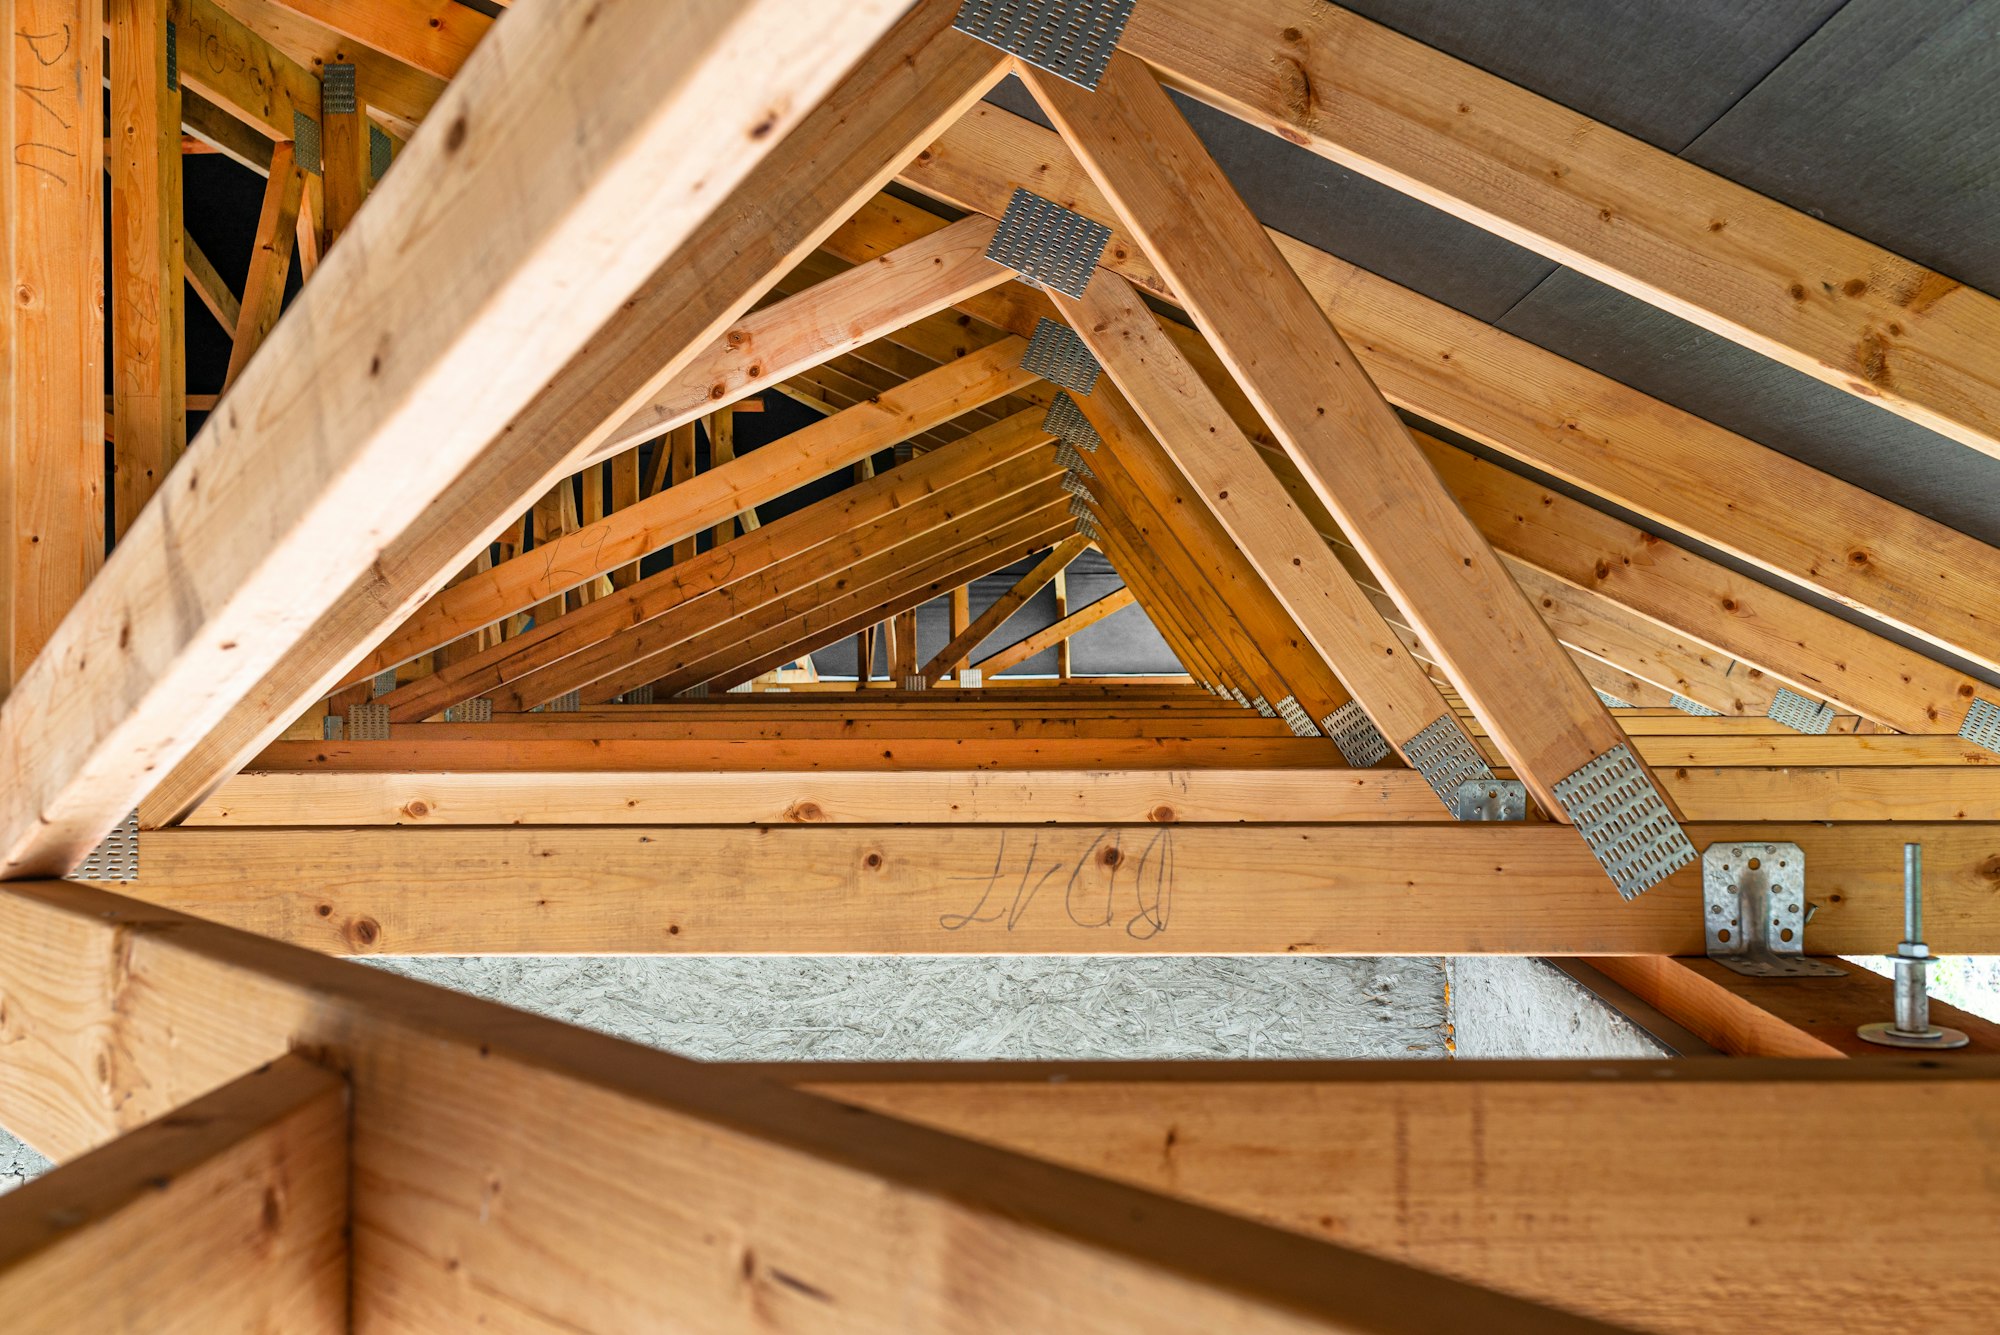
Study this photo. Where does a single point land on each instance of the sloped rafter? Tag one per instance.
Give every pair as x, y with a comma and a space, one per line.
1734, 262
1025, 648
1294, 366
195, 608
1658, 461
895, 99
951, 658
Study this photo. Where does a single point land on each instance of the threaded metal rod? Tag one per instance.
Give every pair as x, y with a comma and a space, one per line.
1913, 892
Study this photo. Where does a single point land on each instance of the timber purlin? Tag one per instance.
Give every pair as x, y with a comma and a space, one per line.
378, 663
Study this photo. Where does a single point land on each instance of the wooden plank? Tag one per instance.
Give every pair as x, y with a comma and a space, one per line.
1782, 1017
918, 78
229, 1213
1734, 262
953, 655
155, 657
697, 1197
1659, 461
1300, 374
343, 146
52, 336
680, 453
143, 264
225, 61
1028, 646
270, 262
1030, 889
1570, 1182
400, 96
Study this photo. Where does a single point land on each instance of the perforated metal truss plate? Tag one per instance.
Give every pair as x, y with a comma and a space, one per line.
368, 723
173, 58
1074, 485
1799, 713
1078, 509
918, 682
1263, 707
968, 677
1295, 717
470, 711
1066, 422
1087, 525
1355, 735
116, 858
380, 153
1982, 725
638, 695
1491, 799
384, 682
1695, 707
1624, 821
1611, 701
336, 91
1753, 899
698, 691
1239, 697
1048, 244
1072, 39
1058, 355
566, 703
305, 142
333, 727
1067, 456
1446, 757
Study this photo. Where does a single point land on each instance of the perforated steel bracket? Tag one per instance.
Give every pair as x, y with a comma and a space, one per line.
971, 677
916, 682
1695, 707
368, 722
1263, 707
1066, 422
566, 703
1754, 907
1492, 799
1078, 509
1239, 697
1355, 735
1059, 356
305, 142
116, 857
1982, 725
638, 695
698, 691
173, 58
1625, 821
381, 152
1446, 757
1047, 244
1075, 486
1067, 456
332, 727
1086, 524
1296, 718
383, 683
1800, 713
478, 710
1071, 39
336, 91
1610, 701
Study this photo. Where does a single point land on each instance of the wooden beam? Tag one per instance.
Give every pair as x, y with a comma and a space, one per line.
435, 36
1028, 646
229, 1213
234, 67
1225, 471
1299, 373
183, 627
270, 263
1659, 461
146, 287
792, 196
697, 1198
1512, 889
222, 303
1814, 652
690, 506
1567, 1182
1738, 264
953, 655
343, 147
52, 335
1780, 1017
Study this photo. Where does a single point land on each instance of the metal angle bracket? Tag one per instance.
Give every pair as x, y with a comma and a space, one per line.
1982, 725
1625, 821
116, 857
1800, 713
1695, 707
1066, 422
1059, 356
1047, 244
1753, 899
1492, 799
1071, 39
1446, 757
1360, 743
